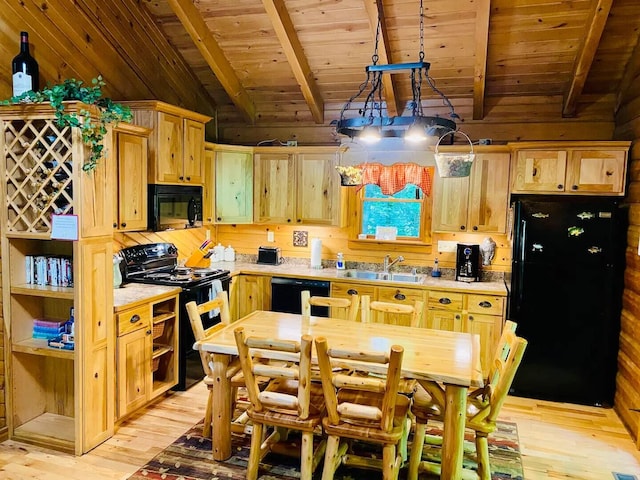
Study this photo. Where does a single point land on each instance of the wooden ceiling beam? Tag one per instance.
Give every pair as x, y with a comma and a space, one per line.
282, 24
483, 13
585, 55
194, 24
375, 11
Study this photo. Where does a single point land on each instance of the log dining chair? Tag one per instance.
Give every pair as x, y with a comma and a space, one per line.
234, 371
366, 409
483, 406
391, 313
346, 308
394, 314
290, 401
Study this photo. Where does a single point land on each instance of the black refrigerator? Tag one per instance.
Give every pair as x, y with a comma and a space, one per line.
566, 296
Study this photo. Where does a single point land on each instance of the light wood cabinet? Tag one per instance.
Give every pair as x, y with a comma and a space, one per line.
130, 145
477, 203
233, 177
176, 144
469, 313
57, 398
147, 346
254, 293
296, 185
594, 168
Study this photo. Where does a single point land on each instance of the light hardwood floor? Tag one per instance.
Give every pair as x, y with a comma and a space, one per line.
558, 441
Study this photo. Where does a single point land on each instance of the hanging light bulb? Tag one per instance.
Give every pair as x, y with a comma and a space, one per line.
370, 134
416, 134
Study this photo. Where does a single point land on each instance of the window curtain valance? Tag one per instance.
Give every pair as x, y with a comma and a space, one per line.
393, 178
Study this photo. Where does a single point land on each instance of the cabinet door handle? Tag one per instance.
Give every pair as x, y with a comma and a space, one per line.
148, 332
444, 301
134, 319
560, 186
351, 291
181, 177
485, 304
534, 172
574, 187
457, 316
475, 227
188, 179
400, 296
470, 318
462, 227
608, 173
115, 225
124, 224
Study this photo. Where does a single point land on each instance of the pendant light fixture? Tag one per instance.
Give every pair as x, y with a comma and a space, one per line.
371, 123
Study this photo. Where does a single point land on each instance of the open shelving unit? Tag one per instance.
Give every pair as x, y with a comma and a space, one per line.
56, 398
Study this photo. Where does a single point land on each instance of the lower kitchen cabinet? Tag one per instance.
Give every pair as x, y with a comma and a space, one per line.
147, 351
253, 293
471, 313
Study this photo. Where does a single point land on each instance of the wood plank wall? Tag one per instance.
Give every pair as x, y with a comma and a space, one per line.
627, 398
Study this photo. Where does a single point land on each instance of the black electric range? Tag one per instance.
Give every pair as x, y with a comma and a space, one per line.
157, 264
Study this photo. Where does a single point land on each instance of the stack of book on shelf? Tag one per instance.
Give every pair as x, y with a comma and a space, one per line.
49, 270
47, 329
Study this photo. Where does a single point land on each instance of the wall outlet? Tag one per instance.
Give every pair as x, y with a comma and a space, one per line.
207, 234
271, 237
447, 246
292, 143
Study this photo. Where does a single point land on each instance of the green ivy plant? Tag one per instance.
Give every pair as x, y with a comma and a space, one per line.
93, 130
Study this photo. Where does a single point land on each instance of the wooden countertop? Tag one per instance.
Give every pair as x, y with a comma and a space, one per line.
133, 294
331, 274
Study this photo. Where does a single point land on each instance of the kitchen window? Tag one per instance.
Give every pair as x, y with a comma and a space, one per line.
405, 210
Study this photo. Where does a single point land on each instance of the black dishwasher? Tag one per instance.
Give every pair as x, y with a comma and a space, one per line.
285, 294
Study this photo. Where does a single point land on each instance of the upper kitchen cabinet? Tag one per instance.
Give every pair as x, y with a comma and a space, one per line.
130, 145
176, 145
477, 203
591, 168
296, 185
232, 176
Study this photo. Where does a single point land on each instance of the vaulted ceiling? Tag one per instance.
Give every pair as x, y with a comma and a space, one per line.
270, 62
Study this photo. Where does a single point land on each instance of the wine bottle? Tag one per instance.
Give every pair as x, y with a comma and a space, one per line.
24, 68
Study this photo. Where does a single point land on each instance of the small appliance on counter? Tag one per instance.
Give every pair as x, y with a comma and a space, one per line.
468, 263
269, 255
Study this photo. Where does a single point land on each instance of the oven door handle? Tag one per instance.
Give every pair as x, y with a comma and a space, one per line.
192, 212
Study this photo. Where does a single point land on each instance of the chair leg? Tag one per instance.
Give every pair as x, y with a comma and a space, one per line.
416, 450
254, 453
306, 456
206, 429
389, 470
331, 457
482, 451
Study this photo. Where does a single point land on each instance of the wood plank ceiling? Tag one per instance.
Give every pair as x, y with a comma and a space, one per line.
298, 61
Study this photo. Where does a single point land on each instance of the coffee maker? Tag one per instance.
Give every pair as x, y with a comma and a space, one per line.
468, 263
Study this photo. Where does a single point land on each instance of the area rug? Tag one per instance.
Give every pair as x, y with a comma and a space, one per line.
189, 457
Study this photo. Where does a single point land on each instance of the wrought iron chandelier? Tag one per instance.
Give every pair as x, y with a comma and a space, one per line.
372, 123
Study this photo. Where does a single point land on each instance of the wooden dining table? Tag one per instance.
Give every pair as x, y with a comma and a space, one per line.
435, 358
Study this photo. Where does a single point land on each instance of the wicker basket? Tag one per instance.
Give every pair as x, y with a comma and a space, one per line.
453, 164
158, 329
155, 364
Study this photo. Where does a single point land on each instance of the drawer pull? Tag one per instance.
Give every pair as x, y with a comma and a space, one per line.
352, 291
134, 319
485, 304
471, 318
444, 301
400, 296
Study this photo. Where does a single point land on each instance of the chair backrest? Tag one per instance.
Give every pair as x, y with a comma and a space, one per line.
391, 313
500, 378
346, 308
221, 304
296, 374
383, 390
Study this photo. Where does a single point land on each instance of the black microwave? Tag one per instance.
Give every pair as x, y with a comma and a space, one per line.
174, 207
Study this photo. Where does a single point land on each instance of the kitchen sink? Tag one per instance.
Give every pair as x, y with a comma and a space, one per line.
390, 277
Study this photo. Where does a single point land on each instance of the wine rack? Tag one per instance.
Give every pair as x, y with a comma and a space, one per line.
39, 173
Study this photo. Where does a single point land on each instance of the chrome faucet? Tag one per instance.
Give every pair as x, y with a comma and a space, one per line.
386, 265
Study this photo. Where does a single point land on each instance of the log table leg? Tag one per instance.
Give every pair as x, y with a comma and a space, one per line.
453, 435
221, 409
